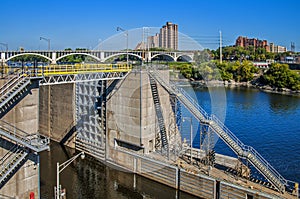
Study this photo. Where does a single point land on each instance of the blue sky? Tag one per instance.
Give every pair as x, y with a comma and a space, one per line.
73, 23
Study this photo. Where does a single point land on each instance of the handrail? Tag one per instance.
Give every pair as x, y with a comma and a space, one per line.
10, 157
227, 131
265, 163
22, 135
246, 150
175, 90
11, 150
5, 88
7, 83
192, 100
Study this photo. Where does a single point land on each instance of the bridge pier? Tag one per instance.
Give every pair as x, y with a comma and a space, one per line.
2, 57
53, 61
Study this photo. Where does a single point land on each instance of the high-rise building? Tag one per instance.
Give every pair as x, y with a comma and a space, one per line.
153, 41
168, 37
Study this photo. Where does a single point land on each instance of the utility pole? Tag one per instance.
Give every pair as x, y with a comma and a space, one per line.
220, 46
126, 34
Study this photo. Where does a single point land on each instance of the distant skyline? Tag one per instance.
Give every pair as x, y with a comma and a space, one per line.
72, 23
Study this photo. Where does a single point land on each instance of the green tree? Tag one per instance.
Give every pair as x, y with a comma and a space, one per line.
280, 76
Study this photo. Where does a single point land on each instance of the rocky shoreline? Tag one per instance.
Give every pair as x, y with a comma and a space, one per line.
233, 84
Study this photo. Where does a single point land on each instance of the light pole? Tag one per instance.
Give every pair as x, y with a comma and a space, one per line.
191, 134
48, 40
126, 34
6, 46
2, 63
60, 168
99, 44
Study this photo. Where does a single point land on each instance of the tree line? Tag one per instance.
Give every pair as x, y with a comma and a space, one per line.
278, 75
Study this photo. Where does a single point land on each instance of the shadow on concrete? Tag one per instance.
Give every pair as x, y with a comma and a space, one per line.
8, 145
34, 84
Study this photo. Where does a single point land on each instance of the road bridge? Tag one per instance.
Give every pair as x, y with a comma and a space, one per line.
99, 55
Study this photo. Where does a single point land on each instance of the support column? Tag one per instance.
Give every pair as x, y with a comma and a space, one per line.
148, 56
102, 56
53, 61
2, 57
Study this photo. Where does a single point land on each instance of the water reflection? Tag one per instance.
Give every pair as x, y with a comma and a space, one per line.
280, 103
89, 179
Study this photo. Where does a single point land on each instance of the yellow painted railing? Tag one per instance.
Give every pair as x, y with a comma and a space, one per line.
53, 70
81, 68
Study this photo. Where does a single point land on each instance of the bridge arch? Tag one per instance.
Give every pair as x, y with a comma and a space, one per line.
78, 53
21, 54
118, 54
184, 57
164, 55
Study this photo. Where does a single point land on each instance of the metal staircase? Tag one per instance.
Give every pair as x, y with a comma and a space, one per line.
35, 142
12, 90
11, 161
159, 114
224, 133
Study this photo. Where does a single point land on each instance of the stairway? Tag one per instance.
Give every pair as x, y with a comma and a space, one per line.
159, 114
12, 90
224, 133
10, 162
35, 142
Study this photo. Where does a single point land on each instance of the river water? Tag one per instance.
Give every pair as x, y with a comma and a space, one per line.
268, 122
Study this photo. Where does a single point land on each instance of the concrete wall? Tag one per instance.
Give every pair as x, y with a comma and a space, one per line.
24, 181
56, 110
131, 113
24, 115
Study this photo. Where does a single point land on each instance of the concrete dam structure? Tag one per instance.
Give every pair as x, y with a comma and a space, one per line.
132, 120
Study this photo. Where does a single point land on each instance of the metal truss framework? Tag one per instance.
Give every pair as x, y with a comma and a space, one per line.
88, 77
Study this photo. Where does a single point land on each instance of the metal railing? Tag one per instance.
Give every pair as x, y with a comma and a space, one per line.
11, 84
8, 154
68, 69
268, 166
35, 141
52, 70
260, 164
227, 131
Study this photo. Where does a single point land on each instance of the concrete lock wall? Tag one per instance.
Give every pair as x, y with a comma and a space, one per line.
24, 115
56, 110
131, 115
24, 181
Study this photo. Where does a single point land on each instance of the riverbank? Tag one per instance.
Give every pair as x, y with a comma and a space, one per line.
233, 84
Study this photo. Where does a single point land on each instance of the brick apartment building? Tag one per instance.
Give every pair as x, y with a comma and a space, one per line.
256, 43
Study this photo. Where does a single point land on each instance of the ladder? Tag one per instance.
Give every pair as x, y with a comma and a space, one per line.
159, 114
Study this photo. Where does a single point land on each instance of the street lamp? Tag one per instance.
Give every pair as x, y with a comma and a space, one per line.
60, 168
48, 40
6, 46
191, 134
126, 34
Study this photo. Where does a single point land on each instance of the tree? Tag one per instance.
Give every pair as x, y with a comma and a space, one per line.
280, 76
